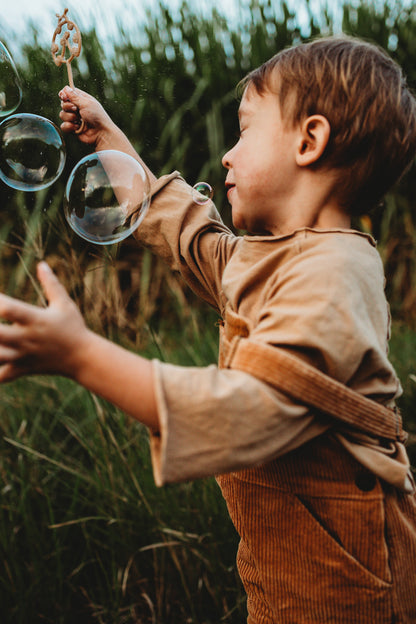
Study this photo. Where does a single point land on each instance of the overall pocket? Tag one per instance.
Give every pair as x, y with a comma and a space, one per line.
352, 531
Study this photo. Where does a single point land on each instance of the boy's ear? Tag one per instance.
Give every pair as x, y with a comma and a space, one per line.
314, 137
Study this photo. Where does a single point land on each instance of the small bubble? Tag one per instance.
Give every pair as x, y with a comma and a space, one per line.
202, 192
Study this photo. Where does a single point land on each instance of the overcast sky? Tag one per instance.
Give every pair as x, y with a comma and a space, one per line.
107, 15
103, 14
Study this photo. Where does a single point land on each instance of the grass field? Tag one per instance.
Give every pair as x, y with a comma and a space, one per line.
86, 536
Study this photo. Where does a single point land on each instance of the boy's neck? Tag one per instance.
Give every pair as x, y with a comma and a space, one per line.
312, 205
331, 215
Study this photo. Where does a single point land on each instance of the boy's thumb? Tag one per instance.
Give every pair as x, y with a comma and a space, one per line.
52, 287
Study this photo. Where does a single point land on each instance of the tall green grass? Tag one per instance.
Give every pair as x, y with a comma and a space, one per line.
84, 533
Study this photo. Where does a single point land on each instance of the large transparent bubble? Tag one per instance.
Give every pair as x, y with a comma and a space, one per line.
10, 85
106, 197
32, 152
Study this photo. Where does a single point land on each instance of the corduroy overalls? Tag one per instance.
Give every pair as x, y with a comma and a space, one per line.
322, 539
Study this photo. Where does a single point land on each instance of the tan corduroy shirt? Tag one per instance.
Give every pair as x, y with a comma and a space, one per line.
317, 294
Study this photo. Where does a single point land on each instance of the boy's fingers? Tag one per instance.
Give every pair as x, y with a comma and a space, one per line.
9, 335
69, 126
74, 96
10, 371
68, 107
52, 287
7, 354
67, 94
15, 311
71, 117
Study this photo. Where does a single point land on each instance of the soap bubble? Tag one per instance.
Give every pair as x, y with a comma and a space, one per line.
10, 86
106, 197
202, 192
32, 152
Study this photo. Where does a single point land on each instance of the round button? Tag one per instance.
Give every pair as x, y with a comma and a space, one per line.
365, 481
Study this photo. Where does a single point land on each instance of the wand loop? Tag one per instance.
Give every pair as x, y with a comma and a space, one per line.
71, 41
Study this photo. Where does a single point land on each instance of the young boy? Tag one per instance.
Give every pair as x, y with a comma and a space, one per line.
324, 504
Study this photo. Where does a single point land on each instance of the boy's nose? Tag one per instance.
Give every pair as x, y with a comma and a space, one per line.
226, 162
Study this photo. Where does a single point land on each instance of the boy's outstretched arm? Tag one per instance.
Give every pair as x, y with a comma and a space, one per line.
55, 340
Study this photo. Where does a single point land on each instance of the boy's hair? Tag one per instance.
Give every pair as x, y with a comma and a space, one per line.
363, 94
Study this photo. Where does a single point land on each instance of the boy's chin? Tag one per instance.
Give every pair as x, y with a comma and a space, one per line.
238, 221
254, 229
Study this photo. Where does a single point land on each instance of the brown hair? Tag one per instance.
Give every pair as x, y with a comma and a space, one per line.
363, 94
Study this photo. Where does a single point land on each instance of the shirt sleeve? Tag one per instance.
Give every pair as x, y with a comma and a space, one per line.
214, 421
190, 237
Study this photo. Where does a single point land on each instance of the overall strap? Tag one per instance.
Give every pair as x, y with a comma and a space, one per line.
309, 386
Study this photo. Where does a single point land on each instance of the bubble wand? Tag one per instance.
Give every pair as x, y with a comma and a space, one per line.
70, 41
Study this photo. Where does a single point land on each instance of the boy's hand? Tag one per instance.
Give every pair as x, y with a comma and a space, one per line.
56, 341
83, 114
37, 340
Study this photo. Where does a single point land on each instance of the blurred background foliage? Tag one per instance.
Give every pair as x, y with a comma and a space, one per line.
84, 534
170, 85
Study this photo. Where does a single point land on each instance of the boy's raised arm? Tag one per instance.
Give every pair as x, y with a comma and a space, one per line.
55, 340
81, 111
190, 237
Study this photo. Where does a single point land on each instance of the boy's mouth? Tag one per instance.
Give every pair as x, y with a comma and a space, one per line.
229, 187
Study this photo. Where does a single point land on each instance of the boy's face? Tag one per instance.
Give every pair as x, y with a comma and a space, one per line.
261, 165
